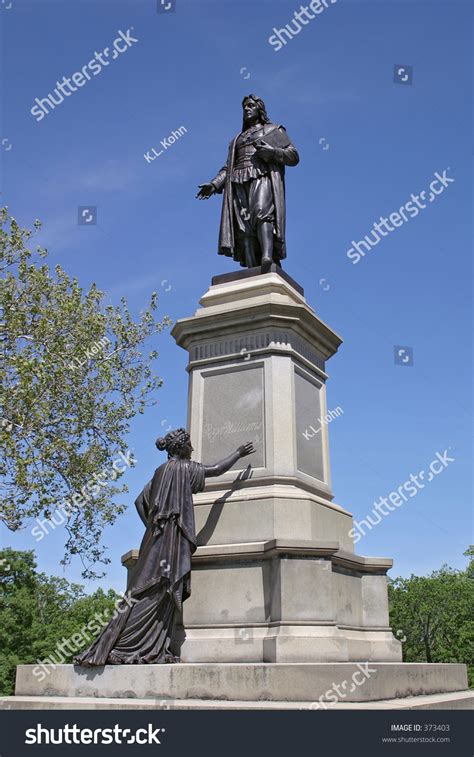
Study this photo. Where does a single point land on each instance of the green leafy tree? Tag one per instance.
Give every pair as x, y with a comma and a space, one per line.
38, 612
470, 568
73, 374
434, 614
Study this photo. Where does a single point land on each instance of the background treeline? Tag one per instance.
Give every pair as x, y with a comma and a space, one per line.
433, 616
37, 612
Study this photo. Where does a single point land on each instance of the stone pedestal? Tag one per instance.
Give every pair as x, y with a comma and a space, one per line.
275, 578
283, 614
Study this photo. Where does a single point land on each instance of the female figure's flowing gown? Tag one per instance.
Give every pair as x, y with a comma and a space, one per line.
142, 631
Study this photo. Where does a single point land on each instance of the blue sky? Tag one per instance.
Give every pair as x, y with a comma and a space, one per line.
365, 143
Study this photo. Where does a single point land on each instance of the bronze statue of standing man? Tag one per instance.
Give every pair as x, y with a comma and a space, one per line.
252, 229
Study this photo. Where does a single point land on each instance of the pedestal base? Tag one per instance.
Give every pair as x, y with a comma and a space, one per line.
285, 600
287, 643
244, 686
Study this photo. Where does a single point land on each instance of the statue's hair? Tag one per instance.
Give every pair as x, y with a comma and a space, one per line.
173, 441
261, 108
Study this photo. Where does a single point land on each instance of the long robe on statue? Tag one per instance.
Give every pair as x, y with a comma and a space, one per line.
142, 631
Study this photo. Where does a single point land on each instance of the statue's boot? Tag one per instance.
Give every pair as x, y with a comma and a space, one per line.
265, 237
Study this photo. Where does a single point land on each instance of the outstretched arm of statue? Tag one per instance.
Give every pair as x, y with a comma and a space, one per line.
224, 465
213, 187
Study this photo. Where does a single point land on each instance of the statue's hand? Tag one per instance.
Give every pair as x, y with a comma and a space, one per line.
246, 449
264, 150
205, 191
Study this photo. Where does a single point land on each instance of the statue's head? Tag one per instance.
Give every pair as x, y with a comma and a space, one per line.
177, 443
254, 110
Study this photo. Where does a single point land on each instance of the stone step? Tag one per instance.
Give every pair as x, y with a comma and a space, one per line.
292, 682
456, 700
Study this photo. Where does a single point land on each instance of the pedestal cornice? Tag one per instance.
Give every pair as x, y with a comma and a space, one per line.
252, 319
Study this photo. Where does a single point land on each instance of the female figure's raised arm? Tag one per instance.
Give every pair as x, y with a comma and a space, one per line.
224, 465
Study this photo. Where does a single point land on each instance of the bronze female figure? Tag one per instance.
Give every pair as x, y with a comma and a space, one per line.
142, 631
